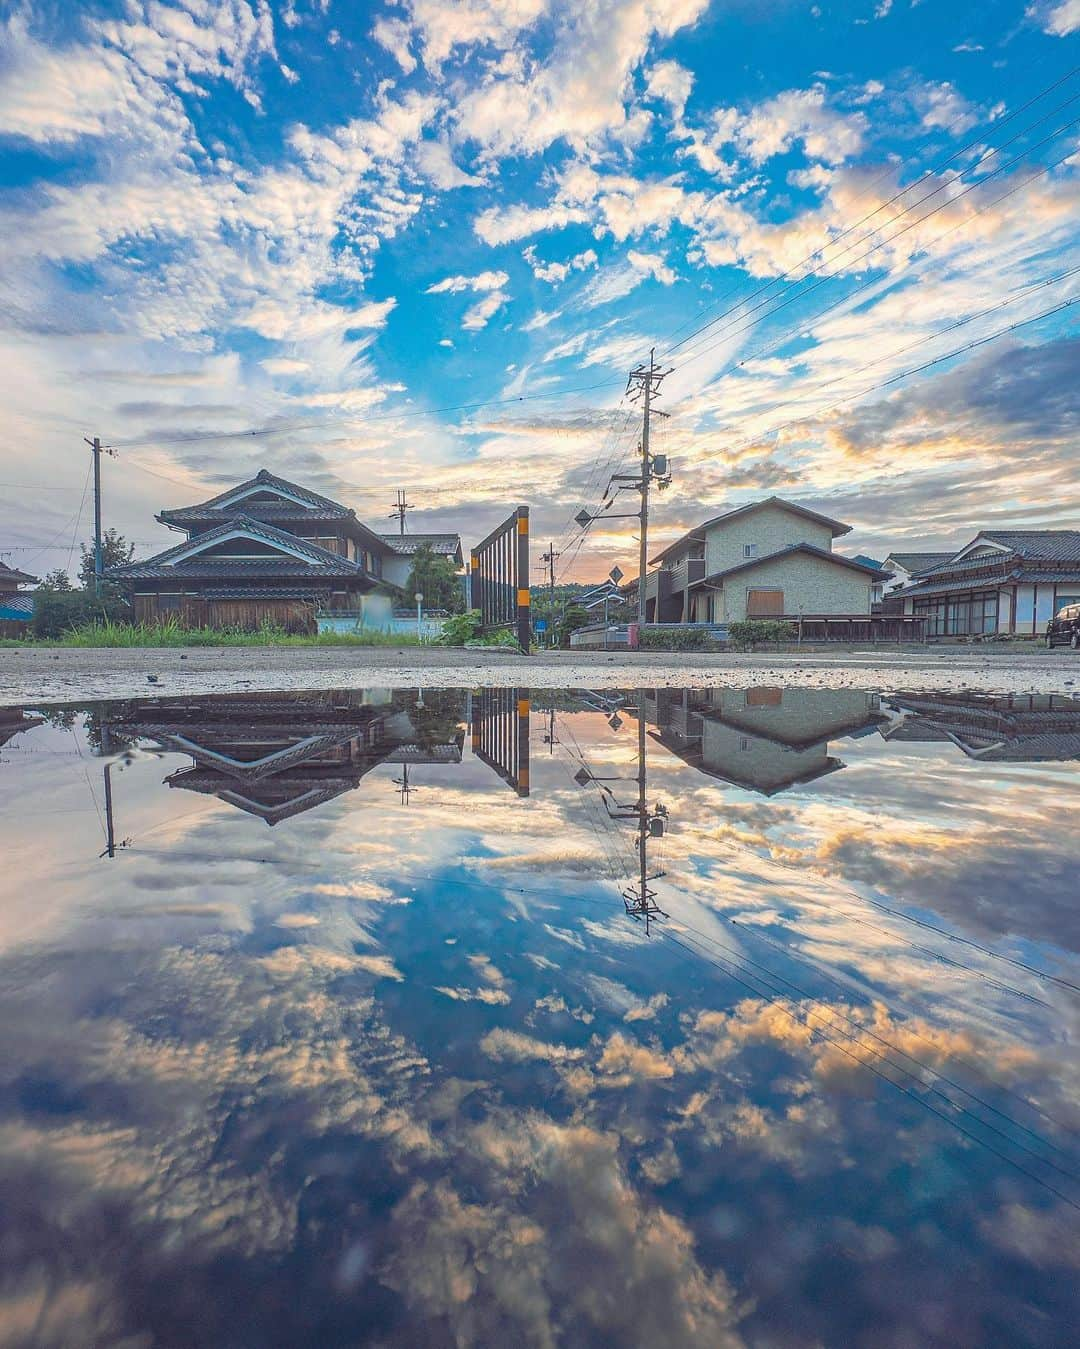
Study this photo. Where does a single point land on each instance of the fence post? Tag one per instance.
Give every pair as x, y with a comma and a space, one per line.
524, 610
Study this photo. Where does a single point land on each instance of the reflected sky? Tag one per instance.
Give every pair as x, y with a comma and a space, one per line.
558, 1018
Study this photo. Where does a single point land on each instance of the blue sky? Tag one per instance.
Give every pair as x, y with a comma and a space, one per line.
328, 222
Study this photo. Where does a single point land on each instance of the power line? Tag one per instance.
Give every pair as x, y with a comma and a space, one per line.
796, 267
881, 243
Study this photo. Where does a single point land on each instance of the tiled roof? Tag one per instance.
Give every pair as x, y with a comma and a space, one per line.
913, 562
1041, 545
698, 533
314, 561
445, 545
264, 478
19, 577
810, 548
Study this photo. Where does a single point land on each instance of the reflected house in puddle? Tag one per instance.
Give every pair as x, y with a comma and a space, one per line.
277, 757
1010, 728
763, 739
13, 720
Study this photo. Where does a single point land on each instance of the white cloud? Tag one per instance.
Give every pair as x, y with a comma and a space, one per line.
502, 225
672, 83
795, 116
478, 314
394, 35
554, 272
439, 27
437, 164
579, 93
614, 282
1059, 18
940, 105
453, 285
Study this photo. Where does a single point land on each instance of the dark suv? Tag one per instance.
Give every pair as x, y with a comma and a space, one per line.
1064, 627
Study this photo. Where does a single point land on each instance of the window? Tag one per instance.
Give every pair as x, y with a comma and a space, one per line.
749, 550
764, 603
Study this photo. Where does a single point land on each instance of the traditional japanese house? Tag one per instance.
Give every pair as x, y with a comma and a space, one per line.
1009, 581
995, 728
16, 606
265, 550
276, 756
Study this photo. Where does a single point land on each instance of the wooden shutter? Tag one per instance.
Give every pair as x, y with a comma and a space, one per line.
764, 603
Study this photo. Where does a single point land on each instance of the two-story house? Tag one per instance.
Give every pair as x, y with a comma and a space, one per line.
768, 559
265, 550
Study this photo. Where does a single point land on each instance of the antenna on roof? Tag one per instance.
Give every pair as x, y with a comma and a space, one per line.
400, 507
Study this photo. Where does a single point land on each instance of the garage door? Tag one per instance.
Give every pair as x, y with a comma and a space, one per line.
764, 603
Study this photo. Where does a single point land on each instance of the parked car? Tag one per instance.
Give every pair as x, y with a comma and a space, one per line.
1064, 627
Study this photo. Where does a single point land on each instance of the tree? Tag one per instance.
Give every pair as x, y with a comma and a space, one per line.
58, 581
115, 551
435, 578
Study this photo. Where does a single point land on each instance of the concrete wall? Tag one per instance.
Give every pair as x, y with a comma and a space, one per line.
756, 763
798, 716
771, 528
812, 584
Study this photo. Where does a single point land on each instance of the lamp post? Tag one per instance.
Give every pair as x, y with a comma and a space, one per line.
419, 598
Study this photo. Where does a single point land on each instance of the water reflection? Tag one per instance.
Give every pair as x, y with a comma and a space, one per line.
404, 1077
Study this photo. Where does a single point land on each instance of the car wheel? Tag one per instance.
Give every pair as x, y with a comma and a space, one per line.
1075, 643
1049, 640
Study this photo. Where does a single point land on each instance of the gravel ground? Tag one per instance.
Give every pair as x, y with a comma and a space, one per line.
29, 675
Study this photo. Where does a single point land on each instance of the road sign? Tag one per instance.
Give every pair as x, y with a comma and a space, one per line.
616, 575
540, 625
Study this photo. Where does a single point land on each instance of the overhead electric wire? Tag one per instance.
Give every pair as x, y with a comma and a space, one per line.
821, 280
1023, 293
769, 974
906, 374
285, 429
782, 1006
796, 267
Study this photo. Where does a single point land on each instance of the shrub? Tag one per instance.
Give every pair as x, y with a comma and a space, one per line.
748, 632
459, 629
674, 639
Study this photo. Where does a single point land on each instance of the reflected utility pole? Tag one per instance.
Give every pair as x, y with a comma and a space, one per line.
640, 899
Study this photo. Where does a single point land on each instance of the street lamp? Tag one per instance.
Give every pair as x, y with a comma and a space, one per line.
419, 598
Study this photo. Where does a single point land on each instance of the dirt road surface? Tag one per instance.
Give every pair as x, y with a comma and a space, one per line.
40, 675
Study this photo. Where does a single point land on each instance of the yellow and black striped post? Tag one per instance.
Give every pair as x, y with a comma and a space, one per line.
524, 610
523, 742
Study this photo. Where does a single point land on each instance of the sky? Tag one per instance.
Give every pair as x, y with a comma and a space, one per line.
420, 244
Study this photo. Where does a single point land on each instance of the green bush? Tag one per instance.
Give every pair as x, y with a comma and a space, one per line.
459, 629
748, 632
674, 639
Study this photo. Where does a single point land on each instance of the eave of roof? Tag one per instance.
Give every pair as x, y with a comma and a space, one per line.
314, 561
697, 534
13, 574
808, 548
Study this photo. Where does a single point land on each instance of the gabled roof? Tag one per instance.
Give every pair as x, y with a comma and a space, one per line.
293, 503
11, 574
809, 548
265, 480
298, 556
913, 562
443, 545
869, 561
697, 534
1040, 545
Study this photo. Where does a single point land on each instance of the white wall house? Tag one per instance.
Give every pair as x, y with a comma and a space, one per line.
770, 558
1008, 581
906, 566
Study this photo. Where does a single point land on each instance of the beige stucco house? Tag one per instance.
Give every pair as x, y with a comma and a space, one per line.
768, 559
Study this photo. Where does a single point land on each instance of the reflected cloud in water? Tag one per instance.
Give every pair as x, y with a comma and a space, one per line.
663, 1017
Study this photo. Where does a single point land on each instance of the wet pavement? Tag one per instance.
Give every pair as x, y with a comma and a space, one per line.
667, 1017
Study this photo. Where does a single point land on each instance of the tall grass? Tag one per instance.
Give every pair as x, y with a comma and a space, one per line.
109, 634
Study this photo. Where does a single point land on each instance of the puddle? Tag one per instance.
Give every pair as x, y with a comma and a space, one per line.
437, 1017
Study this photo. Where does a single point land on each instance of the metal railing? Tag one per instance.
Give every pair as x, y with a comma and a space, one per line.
499, 578
499, 734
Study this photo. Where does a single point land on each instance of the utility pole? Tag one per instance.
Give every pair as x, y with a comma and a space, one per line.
400, 507
646, 380
640, 901
95, 448
551, 557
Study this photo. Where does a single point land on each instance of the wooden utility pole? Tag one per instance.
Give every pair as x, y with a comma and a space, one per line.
95, 449
646, 380
400, 507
